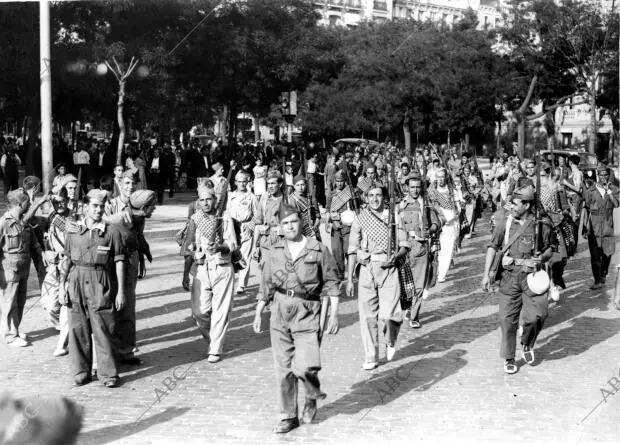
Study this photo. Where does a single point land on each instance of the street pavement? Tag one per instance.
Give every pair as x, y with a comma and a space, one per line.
445, 384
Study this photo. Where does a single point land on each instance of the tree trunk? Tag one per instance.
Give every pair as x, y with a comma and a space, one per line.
407, 133
256, 128
467, 142
521, 139
593, 118
32, 140
232, 123
448, 139
121, 122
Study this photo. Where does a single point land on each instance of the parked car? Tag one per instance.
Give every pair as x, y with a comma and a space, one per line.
351, 143
588, 161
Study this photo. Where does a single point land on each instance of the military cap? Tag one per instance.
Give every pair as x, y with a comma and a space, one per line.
241, 175
340, 176
142, 198
414, 176
128, 174
205, 192
217, 166
97, 195
526, 193
274, 174
17, 196
602, 168
368, 165
298, 178
60, 164
202, 181
286, 210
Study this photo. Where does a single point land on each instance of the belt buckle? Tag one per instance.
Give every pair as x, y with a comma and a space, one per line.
290, 293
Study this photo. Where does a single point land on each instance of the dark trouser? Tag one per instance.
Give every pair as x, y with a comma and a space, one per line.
598, 259
189, 260
516, 299
295, 343
92, 296
340, 246
13, 289
418, 259
172, 180
39, 266
158, 183
556, 270
11, 183
126, 318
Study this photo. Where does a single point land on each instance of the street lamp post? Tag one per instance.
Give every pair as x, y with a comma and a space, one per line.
47, 155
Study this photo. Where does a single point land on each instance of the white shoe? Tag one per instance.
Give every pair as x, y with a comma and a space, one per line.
369, 366
212, 358
389, 353
24, 336
59, 352
441, 280
467, 236
19, 343
425, 294
554, 293
520, 331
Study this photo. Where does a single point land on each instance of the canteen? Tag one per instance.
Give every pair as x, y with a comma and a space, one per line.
538, 282
347, 217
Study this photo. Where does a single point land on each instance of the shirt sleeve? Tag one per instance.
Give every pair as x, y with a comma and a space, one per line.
403, 239
355, 237
118, 250
331, 275
497, 238
229, 233
267, 281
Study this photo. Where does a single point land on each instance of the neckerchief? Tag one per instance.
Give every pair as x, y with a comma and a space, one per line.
444, 201
340, 199
364, 184
374, 227
207, 226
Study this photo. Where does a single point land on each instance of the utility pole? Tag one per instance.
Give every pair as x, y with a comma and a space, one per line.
47, 154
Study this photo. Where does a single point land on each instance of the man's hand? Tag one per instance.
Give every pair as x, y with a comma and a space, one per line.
263, 229
350, 289
63, 298
258, 319
485, 282
332, 324
533, 262
142, 269
120, 301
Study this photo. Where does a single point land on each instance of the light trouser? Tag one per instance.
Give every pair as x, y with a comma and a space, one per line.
294, 331
212, 292
418, 259
92, 298
447, 239
126, 318
246, 251
516, 300
13, 293
379, 301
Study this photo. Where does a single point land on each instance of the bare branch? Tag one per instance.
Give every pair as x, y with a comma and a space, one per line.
528, 98
113, 71
553, 107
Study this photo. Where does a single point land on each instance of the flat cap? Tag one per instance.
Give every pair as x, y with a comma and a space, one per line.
286, 210
97, 195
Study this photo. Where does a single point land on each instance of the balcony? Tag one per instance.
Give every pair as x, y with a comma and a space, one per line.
379, 6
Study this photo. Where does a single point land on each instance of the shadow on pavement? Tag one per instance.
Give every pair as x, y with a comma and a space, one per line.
112, 433
387, 386
576, 339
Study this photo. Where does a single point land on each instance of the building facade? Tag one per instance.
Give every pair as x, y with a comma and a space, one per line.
352, 12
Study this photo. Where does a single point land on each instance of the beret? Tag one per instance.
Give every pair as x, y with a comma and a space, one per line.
97, 195
141, 198
298, 178
286, 210
17, 196
526, 193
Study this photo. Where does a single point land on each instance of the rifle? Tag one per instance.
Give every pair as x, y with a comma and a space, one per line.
537, 220
76, 198
391, 220
345, 166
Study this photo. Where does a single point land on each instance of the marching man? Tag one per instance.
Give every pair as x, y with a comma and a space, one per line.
212, 288
298, 270
378, 286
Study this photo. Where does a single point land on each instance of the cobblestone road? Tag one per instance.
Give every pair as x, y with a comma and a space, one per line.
446, 383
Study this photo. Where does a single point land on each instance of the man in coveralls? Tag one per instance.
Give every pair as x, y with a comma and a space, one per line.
90, 291
134, 266
17, 241
419, 221
297, 271
517, 232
